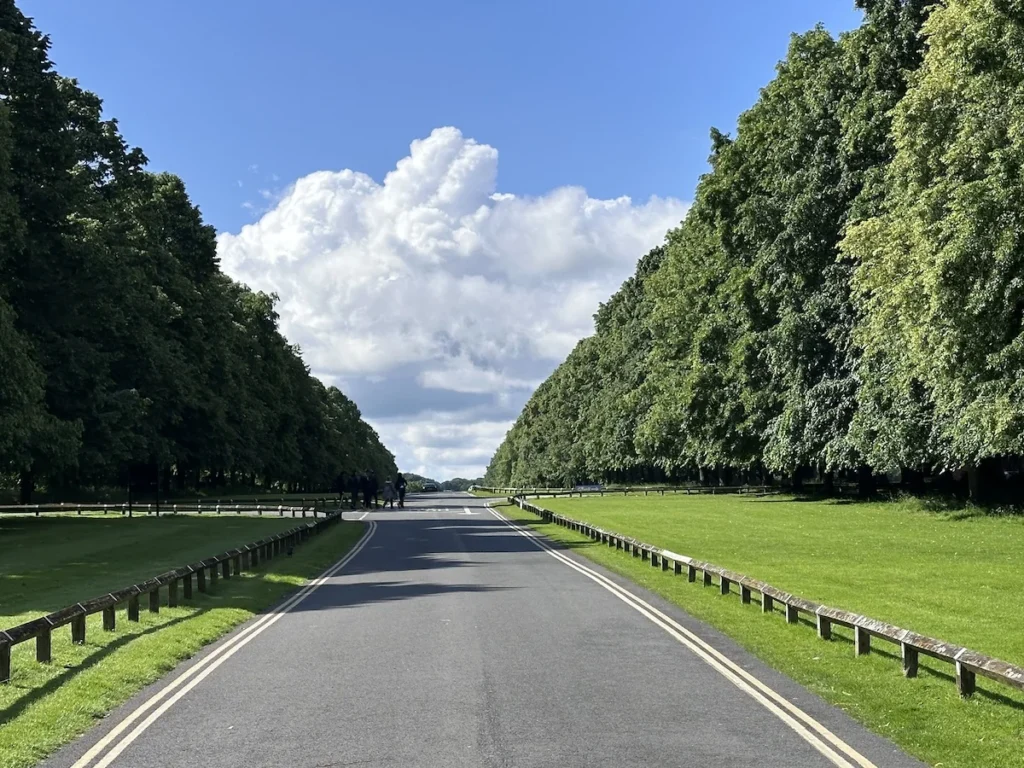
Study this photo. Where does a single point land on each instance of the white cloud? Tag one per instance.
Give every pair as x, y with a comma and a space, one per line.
433, 281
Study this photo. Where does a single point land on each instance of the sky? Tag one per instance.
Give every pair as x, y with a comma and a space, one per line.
348, 155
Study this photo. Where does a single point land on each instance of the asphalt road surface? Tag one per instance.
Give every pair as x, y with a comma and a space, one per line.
452, 639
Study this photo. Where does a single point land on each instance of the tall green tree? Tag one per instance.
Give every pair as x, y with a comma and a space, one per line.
938, 283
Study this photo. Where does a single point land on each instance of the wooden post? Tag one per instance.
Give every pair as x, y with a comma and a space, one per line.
744, 595
133, 608
792, 615
172, 594
237, 561
225, 569
965, 680
43, 647
691, 574
644, 554
213, 576
109, 619
664, 563
201, 579
654, 559
186, 582
909, 660
724, 585
678, 569
254, 557
78, 630
707, 578
5, 663
862, 641
154, 601
824, 627
767, 603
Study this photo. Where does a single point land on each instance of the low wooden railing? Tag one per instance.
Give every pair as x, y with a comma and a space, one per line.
968, 664
625, 490
312, 507
229, 563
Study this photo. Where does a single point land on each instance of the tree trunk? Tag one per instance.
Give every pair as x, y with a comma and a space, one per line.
828, 482
865, 481
27, 486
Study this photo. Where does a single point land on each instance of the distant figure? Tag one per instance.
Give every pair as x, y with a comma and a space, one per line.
364, 486
374, 487
400, 487
389, 494
354, 487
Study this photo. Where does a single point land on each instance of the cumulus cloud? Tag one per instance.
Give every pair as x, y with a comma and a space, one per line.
438, 291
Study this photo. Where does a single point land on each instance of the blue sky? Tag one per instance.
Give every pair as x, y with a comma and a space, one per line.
244, 100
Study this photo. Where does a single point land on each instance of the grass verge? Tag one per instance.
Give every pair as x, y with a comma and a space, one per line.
47, 705
827, 560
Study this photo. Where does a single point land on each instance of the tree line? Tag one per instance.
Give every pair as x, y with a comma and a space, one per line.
126, 355
844, 299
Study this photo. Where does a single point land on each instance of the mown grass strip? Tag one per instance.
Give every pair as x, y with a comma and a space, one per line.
924, 716
48, 705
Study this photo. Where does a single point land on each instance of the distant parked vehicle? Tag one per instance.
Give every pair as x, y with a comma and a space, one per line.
430, 487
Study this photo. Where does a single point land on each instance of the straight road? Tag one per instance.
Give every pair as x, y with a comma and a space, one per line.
453, 638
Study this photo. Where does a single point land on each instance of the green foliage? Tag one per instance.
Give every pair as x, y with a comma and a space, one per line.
126, 352
939, 283
844, 295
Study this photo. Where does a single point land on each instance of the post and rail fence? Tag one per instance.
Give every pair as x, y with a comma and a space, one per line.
295, 508
968, 664
227, 564
626, 490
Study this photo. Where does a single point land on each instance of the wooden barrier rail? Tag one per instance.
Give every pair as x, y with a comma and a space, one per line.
318, 507
230, 563
967, 663
626, 490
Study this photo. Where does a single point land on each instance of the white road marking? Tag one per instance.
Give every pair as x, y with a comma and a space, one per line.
206, 666
465, 511
770, 699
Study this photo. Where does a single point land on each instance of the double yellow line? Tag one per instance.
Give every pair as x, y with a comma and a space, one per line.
106, 750
810, 730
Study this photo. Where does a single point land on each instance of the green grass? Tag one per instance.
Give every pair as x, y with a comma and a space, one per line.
50, 562
954, 576
482, 495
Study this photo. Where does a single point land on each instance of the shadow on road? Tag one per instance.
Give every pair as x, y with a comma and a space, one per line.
404, 551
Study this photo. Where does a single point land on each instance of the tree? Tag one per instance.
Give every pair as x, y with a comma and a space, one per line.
938, 288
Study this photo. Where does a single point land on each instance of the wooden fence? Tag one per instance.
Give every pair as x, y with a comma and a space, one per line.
229, 563
624, 490
967, 663
297, 508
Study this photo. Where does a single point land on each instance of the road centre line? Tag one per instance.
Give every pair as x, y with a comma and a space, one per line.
762, 693
206, 665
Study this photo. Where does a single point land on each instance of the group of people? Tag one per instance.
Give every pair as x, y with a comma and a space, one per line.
365, 489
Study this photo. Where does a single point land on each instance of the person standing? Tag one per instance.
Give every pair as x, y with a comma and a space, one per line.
400, 487
389, 494
364, 483
354, 488
374, 488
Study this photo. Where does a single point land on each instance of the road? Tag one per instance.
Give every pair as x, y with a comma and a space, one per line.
452, 639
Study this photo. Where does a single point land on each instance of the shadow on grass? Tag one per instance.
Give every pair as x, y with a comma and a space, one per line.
32, 695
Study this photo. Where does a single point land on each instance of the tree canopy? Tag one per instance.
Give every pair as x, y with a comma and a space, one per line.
126, 352
844, 296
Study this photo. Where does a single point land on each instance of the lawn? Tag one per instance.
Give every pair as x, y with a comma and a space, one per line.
50, 562
955, 576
